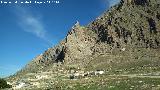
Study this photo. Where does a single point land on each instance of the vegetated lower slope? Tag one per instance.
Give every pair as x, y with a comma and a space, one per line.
124, 40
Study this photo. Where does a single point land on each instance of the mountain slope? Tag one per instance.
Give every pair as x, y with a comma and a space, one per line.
124, 40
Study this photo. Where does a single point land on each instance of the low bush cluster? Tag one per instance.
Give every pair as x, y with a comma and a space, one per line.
3, 84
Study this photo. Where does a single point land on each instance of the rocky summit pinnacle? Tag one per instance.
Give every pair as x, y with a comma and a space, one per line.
123, 43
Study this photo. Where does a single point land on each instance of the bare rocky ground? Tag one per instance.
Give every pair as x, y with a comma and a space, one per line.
93, 82
119, 77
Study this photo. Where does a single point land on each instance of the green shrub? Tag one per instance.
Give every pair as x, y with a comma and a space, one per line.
71, 77
3, 84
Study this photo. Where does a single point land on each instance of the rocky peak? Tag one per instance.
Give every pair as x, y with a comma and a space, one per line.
77, 24
75, 28
77, 44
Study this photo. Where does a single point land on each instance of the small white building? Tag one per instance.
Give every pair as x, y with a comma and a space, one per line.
42, 77
19, 85
123, 49
99, 72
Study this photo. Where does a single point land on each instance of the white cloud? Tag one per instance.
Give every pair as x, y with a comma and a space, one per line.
30, 23
108, 3
113, 2
33, 25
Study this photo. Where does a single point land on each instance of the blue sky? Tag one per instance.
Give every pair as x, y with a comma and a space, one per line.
27, 30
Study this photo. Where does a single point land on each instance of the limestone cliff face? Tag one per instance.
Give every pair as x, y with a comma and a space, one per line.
77, 44
75, 47
129, 25
135, 24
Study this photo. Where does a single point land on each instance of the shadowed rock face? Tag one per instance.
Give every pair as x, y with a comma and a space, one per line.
152, 26
137, 2
140, 2
125, 26
60, 55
